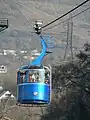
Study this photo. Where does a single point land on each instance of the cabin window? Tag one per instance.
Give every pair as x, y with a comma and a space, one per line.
47, 77
36, 76
22, 77
33, 77
18, 77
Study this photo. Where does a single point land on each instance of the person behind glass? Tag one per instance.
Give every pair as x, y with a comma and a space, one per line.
30, 78
47, 78
37, 76
33, 78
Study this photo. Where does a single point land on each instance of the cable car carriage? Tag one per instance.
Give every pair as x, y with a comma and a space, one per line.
34, 80
34, 85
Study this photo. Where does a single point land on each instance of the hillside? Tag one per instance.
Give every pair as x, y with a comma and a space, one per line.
70, 93
21, 15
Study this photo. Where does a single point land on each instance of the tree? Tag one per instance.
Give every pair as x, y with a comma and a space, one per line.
71, 86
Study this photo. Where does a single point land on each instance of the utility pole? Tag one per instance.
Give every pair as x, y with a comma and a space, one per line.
69, 38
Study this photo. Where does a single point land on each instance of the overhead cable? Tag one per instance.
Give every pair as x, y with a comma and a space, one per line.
66, 14
67, 19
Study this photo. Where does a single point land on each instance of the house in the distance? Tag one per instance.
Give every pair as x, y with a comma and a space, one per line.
3, 69
12, 52
6, 95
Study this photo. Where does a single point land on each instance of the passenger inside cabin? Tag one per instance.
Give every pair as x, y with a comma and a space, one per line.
30, 77
37, 76
33, 78
47, 77
22, 77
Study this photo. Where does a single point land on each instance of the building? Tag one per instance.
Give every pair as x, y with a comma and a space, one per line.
6, 95
34, 54
3, 69
12, 52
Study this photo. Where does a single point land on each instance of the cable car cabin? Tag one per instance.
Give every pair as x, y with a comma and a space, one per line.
34, 86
